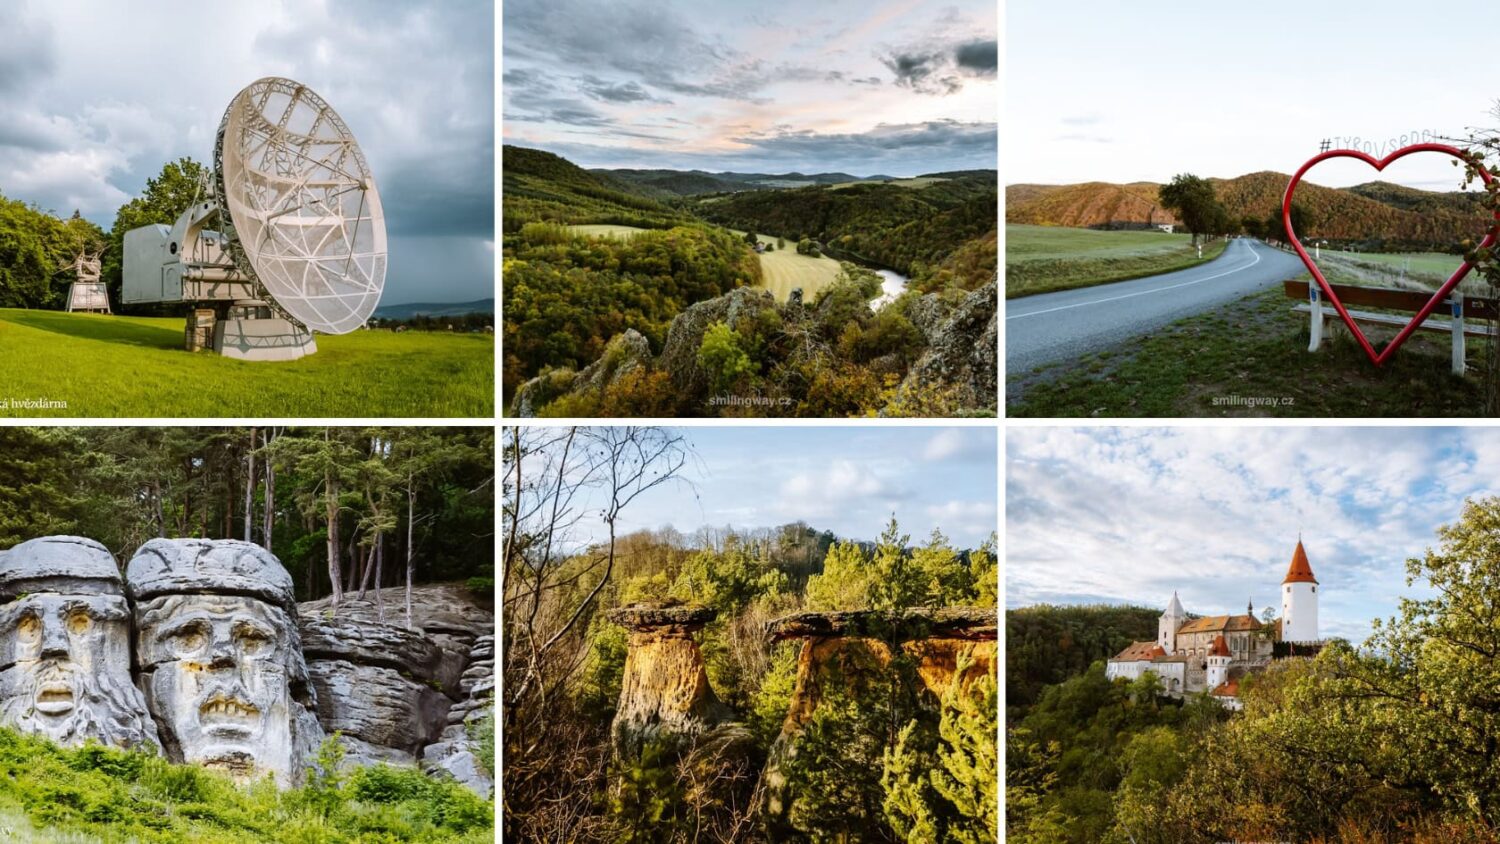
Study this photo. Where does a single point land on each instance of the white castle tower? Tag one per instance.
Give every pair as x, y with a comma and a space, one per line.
1166, 628
1299, 600
1218, 663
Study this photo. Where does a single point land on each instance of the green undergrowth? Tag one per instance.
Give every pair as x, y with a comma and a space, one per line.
96, 794
1250, 358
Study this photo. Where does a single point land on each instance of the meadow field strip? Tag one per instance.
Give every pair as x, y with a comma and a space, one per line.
913, 183
117, 366
1406, 270
1040, 259
606, 231
783, 270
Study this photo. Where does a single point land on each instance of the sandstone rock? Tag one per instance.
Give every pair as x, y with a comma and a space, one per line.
377, 705
972, 623
386, 645
403, 695
219, 657
65, 646
218, 566
458, 759
665, 695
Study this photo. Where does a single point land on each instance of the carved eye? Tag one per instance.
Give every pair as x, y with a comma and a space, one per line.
252, 642
188, 640
29, 628
79, 623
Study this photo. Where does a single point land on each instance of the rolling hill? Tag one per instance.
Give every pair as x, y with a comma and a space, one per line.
910, 229
700, 182
1372, 211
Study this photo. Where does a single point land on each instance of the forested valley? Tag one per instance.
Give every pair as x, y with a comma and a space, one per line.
663, 313
875, 756
1392, 740
345, 509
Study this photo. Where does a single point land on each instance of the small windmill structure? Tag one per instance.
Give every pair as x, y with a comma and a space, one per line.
87, 293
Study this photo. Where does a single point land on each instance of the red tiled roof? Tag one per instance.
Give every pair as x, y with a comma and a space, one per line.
1221, 624
1229, 688
1299, 571
1220, 648
1139, 651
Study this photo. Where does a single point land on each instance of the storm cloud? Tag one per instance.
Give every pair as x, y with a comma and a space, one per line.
95, 98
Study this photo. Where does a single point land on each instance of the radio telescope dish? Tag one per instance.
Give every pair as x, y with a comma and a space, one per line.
304, 216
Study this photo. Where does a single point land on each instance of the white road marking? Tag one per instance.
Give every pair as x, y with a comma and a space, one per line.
1009, 317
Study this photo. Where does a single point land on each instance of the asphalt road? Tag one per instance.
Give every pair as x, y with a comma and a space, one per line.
1051, 327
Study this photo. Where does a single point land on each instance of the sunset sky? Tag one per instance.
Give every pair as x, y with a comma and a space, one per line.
899, 87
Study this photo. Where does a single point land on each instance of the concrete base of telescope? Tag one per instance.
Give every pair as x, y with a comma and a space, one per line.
262, 339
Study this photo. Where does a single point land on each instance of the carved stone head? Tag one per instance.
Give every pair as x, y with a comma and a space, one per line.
65, 646
220, 658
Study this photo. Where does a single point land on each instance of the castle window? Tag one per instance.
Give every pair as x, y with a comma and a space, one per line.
1315, 589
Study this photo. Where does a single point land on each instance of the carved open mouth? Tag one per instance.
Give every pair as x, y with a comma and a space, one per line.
54, 698
223, 715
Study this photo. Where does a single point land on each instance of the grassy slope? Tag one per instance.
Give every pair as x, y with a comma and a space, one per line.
96, 795
105, 366
1040, 259
783, 269
1253, 348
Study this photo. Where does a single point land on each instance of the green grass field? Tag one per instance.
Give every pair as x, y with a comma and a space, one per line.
1250, 358
1040, 259
783, 270
606, 231
112, 366
1412, 270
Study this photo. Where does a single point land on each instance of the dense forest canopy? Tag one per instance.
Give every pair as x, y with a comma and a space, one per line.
569, 299
1393, 741
912, 230
36, 248
345, 509
867, 758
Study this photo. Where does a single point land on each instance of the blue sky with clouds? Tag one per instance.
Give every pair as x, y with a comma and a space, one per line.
1125, 92
846, 479
894, 87
1127, 515
96, 97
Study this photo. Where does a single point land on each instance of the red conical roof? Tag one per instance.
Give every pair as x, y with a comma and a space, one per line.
1220, 648
1299, 571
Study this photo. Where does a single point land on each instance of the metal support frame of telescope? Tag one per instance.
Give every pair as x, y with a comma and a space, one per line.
191, 264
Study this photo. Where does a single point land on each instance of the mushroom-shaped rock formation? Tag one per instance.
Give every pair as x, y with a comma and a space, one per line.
846, 646
664, 695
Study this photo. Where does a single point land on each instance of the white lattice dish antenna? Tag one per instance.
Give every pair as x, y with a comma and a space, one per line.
303, 214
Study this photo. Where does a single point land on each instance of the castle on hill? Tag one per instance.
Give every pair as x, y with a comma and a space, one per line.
1213, 653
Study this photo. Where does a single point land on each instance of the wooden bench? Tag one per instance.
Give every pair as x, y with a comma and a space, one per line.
1457, 305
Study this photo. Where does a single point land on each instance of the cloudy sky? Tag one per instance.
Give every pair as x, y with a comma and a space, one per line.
96, 97
848, 480
894, 87
1124, 92
1130, 514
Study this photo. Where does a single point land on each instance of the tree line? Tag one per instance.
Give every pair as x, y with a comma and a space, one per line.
345, 509
879, 762
1393, 740
36, 248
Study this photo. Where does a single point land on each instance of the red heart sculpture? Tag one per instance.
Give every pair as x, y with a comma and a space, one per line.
1442, 292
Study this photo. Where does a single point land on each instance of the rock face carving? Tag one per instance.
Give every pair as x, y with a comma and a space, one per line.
65, 646
399, 695
664, 695
219, 657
